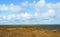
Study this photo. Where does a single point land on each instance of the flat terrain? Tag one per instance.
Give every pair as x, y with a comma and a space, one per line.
28, 32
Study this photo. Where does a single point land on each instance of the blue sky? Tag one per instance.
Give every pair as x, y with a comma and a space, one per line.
29, 11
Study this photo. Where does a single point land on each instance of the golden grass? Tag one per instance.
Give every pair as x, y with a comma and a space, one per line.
28, 32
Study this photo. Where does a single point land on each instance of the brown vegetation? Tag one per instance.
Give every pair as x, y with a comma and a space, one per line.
28, 32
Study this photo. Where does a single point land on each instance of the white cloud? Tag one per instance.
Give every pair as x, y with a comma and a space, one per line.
58, 5
8, 17
25, 16
51, 6
13, 17
51, 12
43, 10
15, 8
0, 18
41, 3
4, 17
46, 10
10, 8
25, 3
3, 7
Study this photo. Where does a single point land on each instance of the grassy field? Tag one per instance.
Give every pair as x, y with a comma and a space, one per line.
28, 32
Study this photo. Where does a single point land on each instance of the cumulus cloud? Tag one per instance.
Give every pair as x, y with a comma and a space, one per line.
15, 8
51, 12
10, 8
13, 17
3, 7
46, 9
42, 11
41, 2
25, 3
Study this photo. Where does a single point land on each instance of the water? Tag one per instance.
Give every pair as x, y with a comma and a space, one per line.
50, 27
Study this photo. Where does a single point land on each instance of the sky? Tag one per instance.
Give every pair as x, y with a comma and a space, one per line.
29, 12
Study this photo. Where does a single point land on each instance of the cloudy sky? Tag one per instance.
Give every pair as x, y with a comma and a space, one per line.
29, 11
